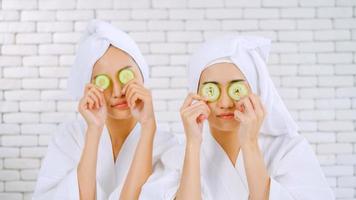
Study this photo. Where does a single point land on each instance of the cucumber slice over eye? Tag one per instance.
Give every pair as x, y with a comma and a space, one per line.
126, 75
237, 90
102, 81
211, 91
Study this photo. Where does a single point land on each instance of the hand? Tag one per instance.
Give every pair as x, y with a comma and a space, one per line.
193, 116
250, 114
139, 100
92, 107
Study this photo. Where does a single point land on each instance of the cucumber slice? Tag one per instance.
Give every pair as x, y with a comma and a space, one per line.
126, 75
102, 81
211, 91
237, 90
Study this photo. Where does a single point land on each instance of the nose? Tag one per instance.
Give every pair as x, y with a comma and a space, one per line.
225, 102
116, 90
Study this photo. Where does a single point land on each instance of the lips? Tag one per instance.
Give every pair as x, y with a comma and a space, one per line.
226, 116
120, 105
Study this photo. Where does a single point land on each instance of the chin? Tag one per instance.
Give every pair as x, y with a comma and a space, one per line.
224, 125
119, 114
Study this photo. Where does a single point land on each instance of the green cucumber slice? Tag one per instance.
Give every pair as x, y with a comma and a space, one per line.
102, 81
237, 91
126, 75
211, 91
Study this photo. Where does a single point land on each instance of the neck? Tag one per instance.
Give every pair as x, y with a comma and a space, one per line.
119, 129
229, 141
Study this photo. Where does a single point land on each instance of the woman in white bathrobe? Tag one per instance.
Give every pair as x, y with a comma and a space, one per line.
107, 154
252, 149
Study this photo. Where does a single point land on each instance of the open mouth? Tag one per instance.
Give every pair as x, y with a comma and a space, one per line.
121, 105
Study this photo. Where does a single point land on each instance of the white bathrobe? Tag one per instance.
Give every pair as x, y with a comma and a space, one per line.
291, 163
58, 180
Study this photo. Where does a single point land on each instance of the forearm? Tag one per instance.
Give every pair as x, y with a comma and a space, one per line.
86, 170
190, 186
256, 172
141, 166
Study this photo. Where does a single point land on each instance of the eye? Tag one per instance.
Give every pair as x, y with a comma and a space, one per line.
237, 91
126, 75
102, 81
211, 91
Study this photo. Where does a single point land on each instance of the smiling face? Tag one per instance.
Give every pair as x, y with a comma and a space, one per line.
222, 110
111, 63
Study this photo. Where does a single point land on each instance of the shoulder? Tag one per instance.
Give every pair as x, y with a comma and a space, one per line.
282, 142
285, 149
173, 157
69, 134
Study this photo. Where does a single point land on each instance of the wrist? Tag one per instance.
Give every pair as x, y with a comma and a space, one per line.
95, 130
149, 125
250, 146
193, 145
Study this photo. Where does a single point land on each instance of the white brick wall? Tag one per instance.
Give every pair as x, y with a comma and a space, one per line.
312, 63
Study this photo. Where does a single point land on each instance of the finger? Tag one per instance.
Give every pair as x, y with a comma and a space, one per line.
189, 99
256, 105
96, 101
95, 98
203, 108
132, 88
201, 118
239, 116
137, 96
186, 112
132, 92
100, 93
90, 102
247, 106
261, 105
97, 94
131, 82
199, 113
89, 86
191, 107
83, 103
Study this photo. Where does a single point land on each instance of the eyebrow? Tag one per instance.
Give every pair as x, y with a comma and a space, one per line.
128, 66
237, 80
233, 81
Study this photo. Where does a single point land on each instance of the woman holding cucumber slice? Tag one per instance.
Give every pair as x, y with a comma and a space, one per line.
252, 149
108, 153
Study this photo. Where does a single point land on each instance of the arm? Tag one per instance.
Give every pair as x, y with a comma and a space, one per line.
190, 186
251, 114
87, 166
140, 102
93, 108
256, 172
168, 162
141, 166
193, 116
291, 179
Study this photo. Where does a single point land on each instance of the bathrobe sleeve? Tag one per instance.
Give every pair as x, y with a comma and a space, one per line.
57, 179
164, 182
298, 175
